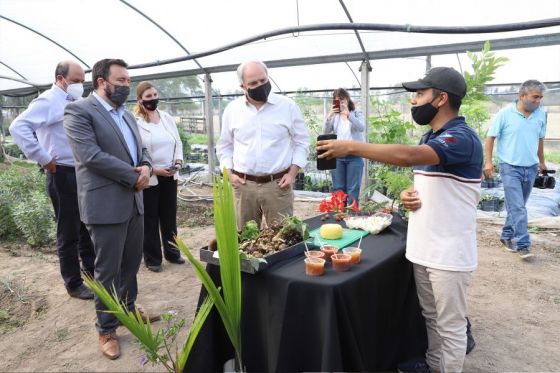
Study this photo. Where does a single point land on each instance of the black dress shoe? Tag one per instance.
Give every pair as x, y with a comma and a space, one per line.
81, 292
156, 268
178, 260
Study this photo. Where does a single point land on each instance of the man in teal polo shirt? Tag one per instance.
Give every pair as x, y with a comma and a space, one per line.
520, 129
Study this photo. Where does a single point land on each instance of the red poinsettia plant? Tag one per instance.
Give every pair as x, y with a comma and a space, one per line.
337, 203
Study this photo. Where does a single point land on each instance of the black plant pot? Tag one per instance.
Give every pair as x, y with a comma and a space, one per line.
490, 205
299, 182
489, 183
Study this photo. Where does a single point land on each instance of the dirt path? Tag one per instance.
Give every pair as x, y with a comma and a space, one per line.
514, 307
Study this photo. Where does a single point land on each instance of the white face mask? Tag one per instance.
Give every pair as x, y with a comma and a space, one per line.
75, 90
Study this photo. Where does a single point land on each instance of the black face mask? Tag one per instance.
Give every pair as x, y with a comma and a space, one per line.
150, 105
119, 95
260, 93
424, 114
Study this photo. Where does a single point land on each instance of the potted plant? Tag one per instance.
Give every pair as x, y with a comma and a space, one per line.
490, 202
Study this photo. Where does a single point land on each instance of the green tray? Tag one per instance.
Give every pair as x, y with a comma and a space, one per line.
349, 236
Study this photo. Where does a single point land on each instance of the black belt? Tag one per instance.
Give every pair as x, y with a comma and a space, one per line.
65, 168
261, 179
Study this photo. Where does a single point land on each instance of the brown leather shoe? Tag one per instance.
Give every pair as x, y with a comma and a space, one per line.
109, 345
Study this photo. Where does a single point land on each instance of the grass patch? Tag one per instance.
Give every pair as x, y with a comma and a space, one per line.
18, 305
60, 334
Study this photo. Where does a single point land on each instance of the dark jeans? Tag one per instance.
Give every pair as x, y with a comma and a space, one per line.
72, 238
160, 214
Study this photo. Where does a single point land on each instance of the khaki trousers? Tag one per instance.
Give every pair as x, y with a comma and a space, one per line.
443, 298
253, 201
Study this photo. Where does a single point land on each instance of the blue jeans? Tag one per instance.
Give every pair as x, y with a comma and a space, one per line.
518, 183
348, 177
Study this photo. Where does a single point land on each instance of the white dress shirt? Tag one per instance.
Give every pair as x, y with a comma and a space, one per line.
162, 141
44, 117
263, 142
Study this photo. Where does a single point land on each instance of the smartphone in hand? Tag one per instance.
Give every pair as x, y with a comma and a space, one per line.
336, 103
323, 163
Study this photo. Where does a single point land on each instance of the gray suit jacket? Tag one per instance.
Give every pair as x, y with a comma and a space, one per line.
104, 168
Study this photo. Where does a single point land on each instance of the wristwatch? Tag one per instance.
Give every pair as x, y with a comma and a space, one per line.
149, 166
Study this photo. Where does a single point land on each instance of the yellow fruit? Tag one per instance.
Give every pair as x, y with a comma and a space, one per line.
330, 231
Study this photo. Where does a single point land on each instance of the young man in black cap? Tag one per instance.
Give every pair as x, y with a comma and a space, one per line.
441, 241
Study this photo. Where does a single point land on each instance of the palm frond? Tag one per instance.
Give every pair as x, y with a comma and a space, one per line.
213, 291
197, 323
131, 320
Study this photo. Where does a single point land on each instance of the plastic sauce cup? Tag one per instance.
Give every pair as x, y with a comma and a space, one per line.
354, 252
329, 250
314, 266
315, 254
341, 262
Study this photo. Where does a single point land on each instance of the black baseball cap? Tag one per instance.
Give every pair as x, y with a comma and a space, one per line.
445, 79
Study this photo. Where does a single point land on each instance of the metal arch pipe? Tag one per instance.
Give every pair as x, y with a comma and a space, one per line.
14, 70
44, 36
20, 81
365, 27
163, 30
355, 31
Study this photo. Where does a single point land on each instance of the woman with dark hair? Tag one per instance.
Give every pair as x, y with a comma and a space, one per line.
161, 138
347, 123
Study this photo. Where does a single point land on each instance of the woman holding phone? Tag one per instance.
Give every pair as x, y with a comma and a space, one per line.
347, 123
161, 138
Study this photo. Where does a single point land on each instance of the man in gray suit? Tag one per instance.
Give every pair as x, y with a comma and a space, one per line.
112, 169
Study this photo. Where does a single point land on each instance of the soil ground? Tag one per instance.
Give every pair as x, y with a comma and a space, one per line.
514, 305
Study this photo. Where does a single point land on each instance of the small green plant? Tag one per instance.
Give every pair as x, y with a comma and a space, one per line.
387, 125
490, 197
228, 305
185, 141
474, 104
159, 347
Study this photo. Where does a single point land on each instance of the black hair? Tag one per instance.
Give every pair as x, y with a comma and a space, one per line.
342, 93
454, 100
61, 69
101, 69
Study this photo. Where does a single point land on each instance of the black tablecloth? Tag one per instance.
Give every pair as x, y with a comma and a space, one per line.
366, 319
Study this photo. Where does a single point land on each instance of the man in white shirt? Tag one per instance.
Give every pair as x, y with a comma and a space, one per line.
263, 144
39, 133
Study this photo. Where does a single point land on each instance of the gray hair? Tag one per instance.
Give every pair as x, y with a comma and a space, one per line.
530, 86
241, 69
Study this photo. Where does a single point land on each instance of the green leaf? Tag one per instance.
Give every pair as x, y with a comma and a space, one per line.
197, 323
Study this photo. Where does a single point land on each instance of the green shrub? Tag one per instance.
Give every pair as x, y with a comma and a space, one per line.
34, 218
13, 151
25, 210
186, 143
8, 228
